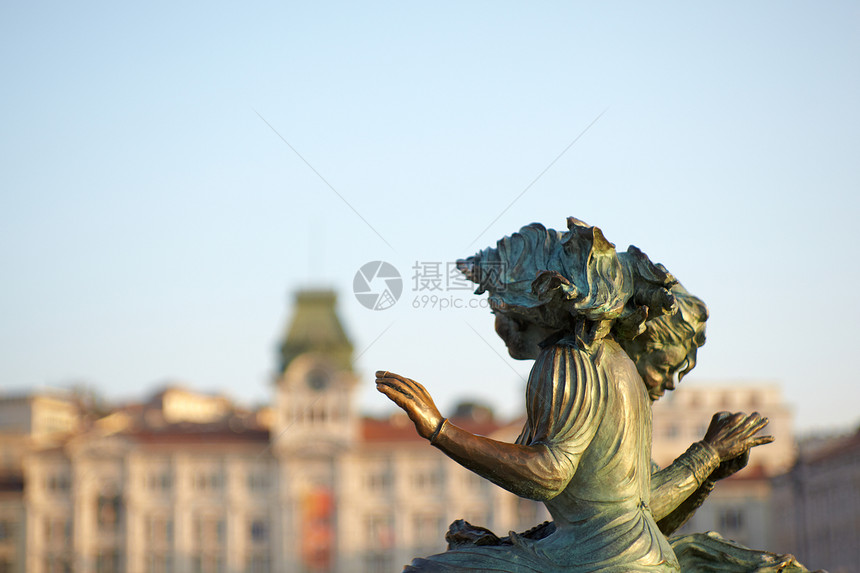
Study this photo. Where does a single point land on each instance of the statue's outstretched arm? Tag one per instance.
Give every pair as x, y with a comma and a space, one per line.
532, 471
528, 471
680, 489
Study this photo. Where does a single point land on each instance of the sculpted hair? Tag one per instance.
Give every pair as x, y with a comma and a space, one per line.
573, 282
684, 328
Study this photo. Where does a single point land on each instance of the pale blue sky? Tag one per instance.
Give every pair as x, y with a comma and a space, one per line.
152, 226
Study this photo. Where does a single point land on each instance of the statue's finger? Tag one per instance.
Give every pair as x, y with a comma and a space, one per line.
716, 426
733, 423
393, 395
760, 423
389, 381
412, 384
747, 422
391, 375
395, 385
388, 374
421, 391
393, 390
388, 391
752, 426
760, 441
416, 389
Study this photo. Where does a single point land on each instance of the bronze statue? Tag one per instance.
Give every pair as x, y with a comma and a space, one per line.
608, 332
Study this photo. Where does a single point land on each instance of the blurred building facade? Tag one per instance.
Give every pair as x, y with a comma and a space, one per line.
28, 423
190, 483
740, 506
817, 505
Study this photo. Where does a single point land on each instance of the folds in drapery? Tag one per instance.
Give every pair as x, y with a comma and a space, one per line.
565, 400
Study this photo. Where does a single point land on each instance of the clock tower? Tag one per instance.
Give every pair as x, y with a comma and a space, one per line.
314, 430
314, 404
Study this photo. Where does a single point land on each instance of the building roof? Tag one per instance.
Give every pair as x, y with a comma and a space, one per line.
835, 450
316, 328
227, 432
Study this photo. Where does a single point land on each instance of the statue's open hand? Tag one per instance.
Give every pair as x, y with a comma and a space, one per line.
413, 398
732, 435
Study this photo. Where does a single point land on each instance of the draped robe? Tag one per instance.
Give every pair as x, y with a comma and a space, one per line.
590, 410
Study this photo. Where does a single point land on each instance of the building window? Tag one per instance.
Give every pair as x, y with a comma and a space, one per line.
7, 530
206, 563
159, 481
378, 561
427, 528
317, 415
107, 562
258, 564
378, 481
258, 481
109, 512
156, 563
259, 531
159, 530
208, 481
59, 482
58, 532
426, 480
380, 530
731, 519
58, 564
209, 531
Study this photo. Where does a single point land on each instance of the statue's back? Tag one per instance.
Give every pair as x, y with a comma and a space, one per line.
591, 409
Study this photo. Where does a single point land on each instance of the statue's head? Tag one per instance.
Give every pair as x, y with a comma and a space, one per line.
668, 346
521, 336
543, 282
547, 285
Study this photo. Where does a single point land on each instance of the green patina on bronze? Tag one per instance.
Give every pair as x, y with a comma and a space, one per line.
315, 327
609, 333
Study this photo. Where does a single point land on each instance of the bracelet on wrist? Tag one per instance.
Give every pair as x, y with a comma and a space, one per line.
438, 429
701, 459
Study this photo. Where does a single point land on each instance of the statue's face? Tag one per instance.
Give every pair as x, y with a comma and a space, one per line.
660, 368
522, 338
